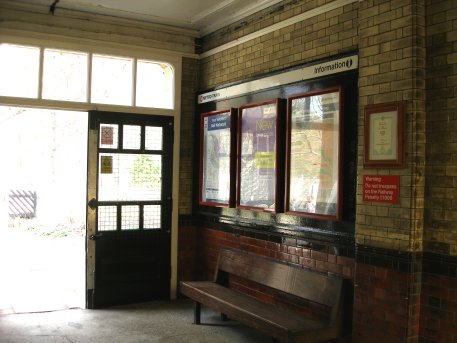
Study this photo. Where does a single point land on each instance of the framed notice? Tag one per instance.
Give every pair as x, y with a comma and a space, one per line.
216, 137
384, 132
257, 164
314, 154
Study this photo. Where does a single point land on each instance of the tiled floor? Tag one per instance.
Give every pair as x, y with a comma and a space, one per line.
149, 322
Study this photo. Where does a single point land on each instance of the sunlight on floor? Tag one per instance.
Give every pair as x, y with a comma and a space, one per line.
44, 273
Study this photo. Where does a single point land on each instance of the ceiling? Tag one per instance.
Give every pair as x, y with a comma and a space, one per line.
204, 16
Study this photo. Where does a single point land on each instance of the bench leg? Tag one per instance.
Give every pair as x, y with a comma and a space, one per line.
197, 311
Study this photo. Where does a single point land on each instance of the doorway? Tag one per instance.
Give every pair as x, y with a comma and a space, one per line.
130, 166
42, 209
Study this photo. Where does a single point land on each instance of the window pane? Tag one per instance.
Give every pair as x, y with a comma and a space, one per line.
112, 80
132, 137
19, 69
154, 85
128, 177
153, 138
107, 218
152, 216
65, 75
130, 217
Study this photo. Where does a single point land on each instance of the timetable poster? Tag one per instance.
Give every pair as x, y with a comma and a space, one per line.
314, 153
216, 158
258, 156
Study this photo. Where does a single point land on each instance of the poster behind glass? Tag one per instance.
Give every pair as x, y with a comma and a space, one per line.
215, 163
313, 186
257, 156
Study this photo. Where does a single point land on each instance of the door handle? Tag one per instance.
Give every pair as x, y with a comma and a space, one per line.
92, 203
95, 237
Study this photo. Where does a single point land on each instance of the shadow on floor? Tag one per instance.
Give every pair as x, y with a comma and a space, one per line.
147, 322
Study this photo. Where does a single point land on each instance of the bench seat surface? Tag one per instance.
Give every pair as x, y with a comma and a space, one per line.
246, 308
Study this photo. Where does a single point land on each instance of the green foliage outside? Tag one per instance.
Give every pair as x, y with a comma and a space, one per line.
146, 172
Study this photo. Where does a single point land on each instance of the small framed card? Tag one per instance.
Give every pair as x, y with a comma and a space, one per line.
384, 135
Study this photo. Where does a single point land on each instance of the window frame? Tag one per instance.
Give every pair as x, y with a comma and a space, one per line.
338, 206
91, 48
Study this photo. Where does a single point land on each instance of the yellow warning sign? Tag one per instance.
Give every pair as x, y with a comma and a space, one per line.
106, 165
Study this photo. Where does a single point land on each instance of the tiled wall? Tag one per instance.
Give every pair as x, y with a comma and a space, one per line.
188, 249
382, 314
316, 256
395, 300
188, 91
439, 284
441, 171
391, 68
387, 295
317, 37
438, 320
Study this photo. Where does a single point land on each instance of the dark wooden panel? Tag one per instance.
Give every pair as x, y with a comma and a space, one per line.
132, 267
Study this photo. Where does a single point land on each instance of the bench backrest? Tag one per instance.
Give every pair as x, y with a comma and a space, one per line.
303, 283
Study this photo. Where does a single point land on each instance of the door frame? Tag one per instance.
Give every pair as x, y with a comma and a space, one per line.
92, 157
174, 58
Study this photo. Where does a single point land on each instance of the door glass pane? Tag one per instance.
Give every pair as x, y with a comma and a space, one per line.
19, 70
109, 134
130, 177
65, 75
107, 218
154, 85
132, 137
152, 217
112, 80
130, 217
153, 138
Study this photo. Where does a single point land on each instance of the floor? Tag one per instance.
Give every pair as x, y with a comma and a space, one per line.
165, 322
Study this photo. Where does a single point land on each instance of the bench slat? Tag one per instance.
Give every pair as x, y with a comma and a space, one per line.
310, 285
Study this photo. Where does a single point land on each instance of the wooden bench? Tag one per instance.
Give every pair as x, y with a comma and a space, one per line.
283, 324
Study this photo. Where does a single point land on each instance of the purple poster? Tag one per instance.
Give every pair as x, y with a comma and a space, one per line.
258, 156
